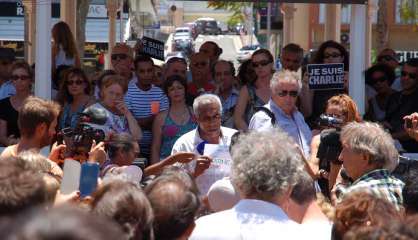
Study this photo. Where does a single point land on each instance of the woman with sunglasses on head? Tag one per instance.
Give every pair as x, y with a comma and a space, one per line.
171, 124
326, 146
380, 77
74, 96
313, 102
9, 107
255, 94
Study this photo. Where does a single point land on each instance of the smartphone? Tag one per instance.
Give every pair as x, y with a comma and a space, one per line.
408, 123
88, 178
71, 179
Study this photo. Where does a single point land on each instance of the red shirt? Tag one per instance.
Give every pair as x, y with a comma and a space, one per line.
193, 90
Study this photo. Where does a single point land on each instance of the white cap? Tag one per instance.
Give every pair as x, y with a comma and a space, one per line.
222, 195
133, 173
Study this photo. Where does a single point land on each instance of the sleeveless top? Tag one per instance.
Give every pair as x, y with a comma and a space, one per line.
253, 103
62, 59
172, 131
379, 114
68, 118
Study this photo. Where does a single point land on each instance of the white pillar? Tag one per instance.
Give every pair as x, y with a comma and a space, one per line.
288, 23
43, 49
112, 9
333, 22
357, 55
372, 8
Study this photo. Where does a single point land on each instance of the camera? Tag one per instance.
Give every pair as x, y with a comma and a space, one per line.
90, 127
329, 121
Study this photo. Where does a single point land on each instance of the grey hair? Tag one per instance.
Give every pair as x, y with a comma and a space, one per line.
287, 77
371, 139
206, 99
265, 164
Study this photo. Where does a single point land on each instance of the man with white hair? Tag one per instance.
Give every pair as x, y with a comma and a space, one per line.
369, 156
208, 111
266, 166
281, 110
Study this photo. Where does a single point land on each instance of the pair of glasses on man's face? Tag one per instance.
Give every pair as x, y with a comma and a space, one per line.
17, 77
410, 75
262, 63
119, 56
284, 93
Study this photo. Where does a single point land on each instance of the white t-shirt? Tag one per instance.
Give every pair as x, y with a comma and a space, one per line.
189, 142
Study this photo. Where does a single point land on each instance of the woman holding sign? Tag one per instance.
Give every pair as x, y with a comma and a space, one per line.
314, 101
255, 94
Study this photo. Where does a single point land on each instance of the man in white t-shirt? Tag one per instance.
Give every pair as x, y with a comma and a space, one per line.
208, 112
265, 167
145, 100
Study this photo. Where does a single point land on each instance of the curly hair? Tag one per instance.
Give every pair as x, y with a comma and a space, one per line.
361, 209
265, 164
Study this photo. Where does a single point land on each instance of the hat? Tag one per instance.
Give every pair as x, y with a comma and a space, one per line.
222, 195
7, 53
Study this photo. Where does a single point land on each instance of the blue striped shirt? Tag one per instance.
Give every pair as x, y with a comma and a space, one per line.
139, 103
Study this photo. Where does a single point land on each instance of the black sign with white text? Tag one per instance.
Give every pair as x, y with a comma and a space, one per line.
153, 48
326, 76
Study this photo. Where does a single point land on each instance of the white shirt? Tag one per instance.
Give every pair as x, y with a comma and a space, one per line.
320, 230
188, 143
249, 219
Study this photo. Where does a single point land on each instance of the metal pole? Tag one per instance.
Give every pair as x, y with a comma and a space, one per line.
121, 26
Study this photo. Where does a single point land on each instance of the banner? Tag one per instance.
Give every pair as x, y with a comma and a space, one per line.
326, 76
152, 48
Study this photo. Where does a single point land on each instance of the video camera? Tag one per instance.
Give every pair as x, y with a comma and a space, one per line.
90, 127
329, 121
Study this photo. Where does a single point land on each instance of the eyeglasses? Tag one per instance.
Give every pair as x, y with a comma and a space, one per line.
119, 56
211, 118
262, 63
386, 58
333, 55
76, 82
285, 93
410, 75
379, 79
200, 64
22, 77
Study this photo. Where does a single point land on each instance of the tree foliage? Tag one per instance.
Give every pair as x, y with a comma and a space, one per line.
409, 11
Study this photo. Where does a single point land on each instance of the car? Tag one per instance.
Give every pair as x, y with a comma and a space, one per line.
246, 51
207, 26
183, 40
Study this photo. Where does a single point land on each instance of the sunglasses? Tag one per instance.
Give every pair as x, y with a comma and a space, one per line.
200, 64
410, 75
386, 58
119, 56
379, 79
333, 55
262, 63
285, 93
22, 77
76, 82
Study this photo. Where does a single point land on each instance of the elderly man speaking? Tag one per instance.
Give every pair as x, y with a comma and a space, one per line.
281, 110
208, 111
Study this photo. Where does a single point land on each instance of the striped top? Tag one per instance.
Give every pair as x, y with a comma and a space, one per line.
139, 103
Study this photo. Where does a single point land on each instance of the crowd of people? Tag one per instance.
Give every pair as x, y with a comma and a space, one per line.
295, 163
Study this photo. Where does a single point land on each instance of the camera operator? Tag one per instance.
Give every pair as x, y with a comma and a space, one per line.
326, 146
411, 125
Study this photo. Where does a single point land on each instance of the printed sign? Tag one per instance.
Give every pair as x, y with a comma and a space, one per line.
152, 48
326, 76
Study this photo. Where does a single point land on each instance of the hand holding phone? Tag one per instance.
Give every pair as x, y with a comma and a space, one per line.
88, 178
